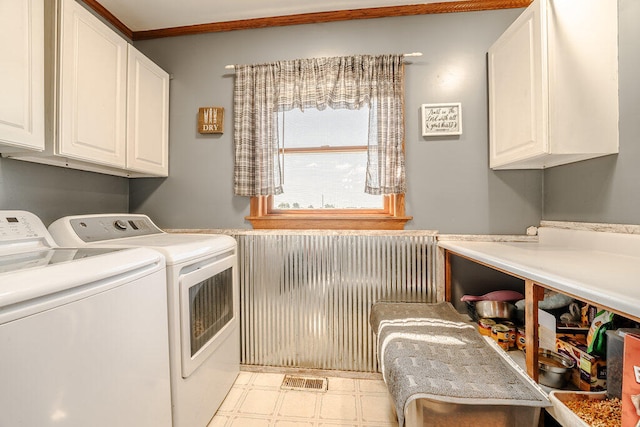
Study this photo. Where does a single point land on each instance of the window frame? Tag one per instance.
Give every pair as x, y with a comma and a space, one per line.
263, 215
392, 217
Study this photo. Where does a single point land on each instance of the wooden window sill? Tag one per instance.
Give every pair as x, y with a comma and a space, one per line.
392, 217
328, 222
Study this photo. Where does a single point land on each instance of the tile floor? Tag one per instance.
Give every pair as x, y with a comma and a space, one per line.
256, 400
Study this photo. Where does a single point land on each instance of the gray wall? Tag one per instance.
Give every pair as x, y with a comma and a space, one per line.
450, 186
607, 189
52, 192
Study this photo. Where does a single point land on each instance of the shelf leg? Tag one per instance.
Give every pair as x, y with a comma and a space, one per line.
447, 276
533, 294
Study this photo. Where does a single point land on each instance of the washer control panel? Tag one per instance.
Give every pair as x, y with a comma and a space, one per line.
22, 231
21, 225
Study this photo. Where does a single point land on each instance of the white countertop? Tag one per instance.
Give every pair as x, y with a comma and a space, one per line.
598, 267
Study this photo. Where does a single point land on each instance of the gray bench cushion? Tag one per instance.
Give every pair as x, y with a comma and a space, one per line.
430, 351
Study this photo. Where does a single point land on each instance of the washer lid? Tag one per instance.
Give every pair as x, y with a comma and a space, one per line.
43, 258
26, 276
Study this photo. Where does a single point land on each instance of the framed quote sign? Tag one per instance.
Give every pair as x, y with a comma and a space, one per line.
442, 119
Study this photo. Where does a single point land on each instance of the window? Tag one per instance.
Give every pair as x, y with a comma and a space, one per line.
309, 151
324, 158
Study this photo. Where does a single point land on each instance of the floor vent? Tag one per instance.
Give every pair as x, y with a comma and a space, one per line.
291, 382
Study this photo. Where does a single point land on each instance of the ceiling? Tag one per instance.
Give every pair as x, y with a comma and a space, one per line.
144, 15
147, 19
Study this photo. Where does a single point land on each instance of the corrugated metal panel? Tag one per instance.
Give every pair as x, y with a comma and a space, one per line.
305, 299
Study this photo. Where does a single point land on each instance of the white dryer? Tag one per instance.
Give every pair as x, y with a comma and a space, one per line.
203, 304
83, 332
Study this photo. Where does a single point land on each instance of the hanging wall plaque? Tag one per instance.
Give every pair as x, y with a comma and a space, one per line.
442, 119
210, 119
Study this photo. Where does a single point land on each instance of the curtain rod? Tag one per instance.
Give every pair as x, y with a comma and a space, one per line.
232, 67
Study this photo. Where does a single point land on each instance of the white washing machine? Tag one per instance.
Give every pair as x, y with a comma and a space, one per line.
83, 332
203, 304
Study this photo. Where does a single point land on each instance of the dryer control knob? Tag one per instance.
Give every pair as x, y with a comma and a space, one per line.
120, 225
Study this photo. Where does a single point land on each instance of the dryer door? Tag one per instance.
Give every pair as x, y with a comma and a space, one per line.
207, 310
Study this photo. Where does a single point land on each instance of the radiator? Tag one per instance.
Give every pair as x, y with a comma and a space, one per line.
306, 298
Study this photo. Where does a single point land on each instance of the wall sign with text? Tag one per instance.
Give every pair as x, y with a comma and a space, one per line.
442, 119
210, 119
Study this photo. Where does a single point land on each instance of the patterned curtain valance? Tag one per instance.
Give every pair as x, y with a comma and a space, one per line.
352, 82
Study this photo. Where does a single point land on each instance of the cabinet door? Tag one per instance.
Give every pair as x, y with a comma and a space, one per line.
517, 90
148, 116
583, 77
92, 89
22, 74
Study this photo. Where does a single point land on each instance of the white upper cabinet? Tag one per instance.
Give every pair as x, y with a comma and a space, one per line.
148, 115
553, 85
21, 75
92, 89
106, 104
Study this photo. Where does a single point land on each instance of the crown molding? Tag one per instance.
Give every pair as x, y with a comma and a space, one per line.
309, 18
